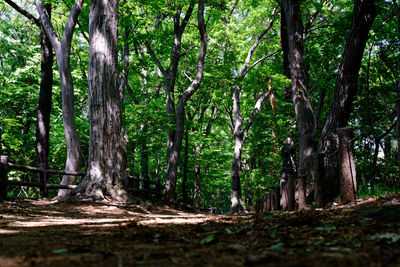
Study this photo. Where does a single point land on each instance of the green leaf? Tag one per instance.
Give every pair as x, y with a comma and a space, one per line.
61, 250
208, 240
326, 228
278, 246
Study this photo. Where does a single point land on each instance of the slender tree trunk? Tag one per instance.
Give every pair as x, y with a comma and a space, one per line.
107, 142
62, 50
301, 102
185, 166
398, 120
197, 191
74, 155
345, 89
44, 108
236, 198
172, 163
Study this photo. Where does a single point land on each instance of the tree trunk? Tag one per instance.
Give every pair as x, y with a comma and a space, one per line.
197, 195
236, 198
398, 120
172, 163
185, 166
107, 143
348, 184
301, 102
44, 108
345, 89
62, 50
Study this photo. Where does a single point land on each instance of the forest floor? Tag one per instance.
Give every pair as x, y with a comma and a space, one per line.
46, 233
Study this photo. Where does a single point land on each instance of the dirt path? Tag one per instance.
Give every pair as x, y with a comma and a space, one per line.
44, 233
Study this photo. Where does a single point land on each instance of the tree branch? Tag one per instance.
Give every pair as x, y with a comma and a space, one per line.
23, 12
244, 70
202, 53
51, 33
255, 112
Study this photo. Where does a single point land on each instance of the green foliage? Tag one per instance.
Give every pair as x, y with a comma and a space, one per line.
232, 30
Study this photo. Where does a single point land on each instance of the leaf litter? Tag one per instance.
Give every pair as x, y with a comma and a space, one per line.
46, 233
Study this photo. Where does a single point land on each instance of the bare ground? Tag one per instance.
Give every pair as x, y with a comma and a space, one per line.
46, 233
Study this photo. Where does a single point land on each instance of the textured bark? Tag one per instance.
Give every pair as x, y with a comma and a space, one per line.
239, 137
197, 195
46, 85
364, 14
348, 184
62, 50
302, 105
398, 120
185, 166
288, 169
172, 162
107, 143
44, 107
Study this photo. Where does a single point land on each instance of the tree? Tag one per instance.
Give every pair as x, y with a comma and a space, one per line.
107, 144
62, 50
302, 105
364, 14
46, 87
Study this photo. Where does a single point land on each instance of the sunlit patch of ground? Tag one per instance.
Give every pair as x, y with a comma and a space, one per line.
45, 233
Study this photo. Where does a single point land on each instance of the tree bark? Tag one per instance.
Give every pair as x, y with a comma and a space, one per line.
172, 163
45, 100
62, 50
398, 121
348, 184
107, 142
185, 166
345, 89
46, 87
288, 152
302, 105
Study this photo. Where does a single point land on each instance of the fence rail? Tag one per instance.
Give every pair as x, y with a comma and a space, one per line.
131, 182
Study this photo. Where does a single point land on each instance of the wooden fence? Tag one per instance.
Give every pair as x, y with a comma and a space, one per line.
132, 183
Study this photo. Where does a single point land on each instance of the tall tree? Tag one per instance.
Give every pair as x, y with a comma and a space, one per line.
172, 163
62, 50
46, 85
364, 13
300, 99
107, 143
176, 113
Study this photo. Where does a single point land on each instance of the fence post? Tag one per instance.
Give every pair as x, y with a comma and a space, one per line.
348, 184
3, 177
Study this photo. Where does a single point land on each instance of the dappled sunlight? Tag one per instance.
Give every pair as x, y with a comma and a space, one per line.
33, 214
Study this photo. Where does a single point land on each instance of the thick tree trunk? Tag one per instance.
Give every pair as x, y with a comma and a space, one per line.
301, 102
44, 108
107, 143
345, 89
348, 184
